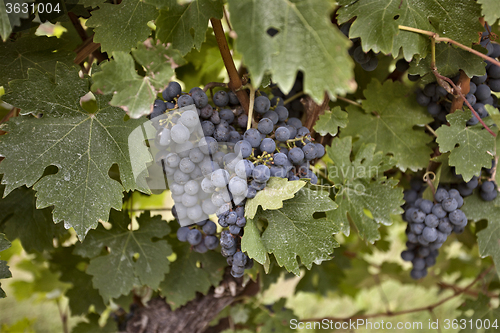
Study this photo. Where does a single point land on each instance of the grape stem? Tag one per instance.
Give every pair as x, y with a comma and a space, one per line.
234, 78
457, 292
430, 130
211, 85
459, 91
494, 173
438, 39
349, 101
294, 97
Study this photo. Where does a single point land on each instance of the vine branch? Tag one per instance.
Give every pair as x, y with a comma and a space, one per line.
234, 78
398, 313
438, 39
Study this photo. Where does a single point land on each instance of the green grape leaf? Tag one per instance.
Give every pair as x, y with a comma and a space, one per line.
9, 20
185, 25
364, 195
488, 239
38, 52
159, 61
5, 27
134, 258
120, 27
205, 65
134, 93
449, 60
82, 295
301, 25
83, 146
277, 321
482, 313
252, 244
490, 10
91, 3
19, 218
272, 196
190, 273
388, 120
92, 326
4, 269
472, 148
377, 23
330, 121
293, 232
325, 277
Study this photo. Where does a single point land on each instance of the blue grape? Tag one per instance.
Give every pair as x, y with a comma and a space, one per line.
201, 247
438, 211
210, 228
231, 218
417, 274
295, 122
449, 204
417, 228
261, 104
488, 196
179, 133
189, 118
422, 99
234, 229
273, 116
483, 92
186, 165
441, 194
265, 126
200, 98
208, 128
359, 56
182, 234
268, 145
211, 242
302, 131
253, 137
227, 115
479, 79
240, 259
238, 186
241, 222
296, 155
252, 192
418, 263
221, 98
282, 113
429, 234
280, 159
494, 83
261, 173
431, 221
220, 178
371, 65
244, 148
184, 100
445, 226
206, 112
180, 177
194, 237
282, 134
407, 255
309, 151
242, 121
171, 91
488, 186
233, 98
320, 150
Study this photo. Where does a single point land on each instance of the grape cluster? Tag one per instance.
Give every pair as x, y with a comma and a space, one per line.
437, 100
488, 189
213, 164
369, 60
429, 225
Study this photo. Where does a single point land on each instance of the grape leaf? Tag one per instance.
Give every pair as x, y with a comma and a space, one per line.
377, 23
187, 276
132, 92
306, 41
449, 60
292, 231
277, 321
19, 218
364, 195
488, 239
185, 25
490, 10
83, 146
134, 259
120, 27
82, 295
4, 269
330, 121
472, 148
252, 244
390, 114
482, 313
9, 20
92, 326
325, 277
91, 3
272, 196
38, 52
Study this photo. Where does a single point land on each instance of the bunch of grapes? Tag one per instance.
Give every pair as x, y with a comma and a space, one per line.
369, 60
214, 164
429, 225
